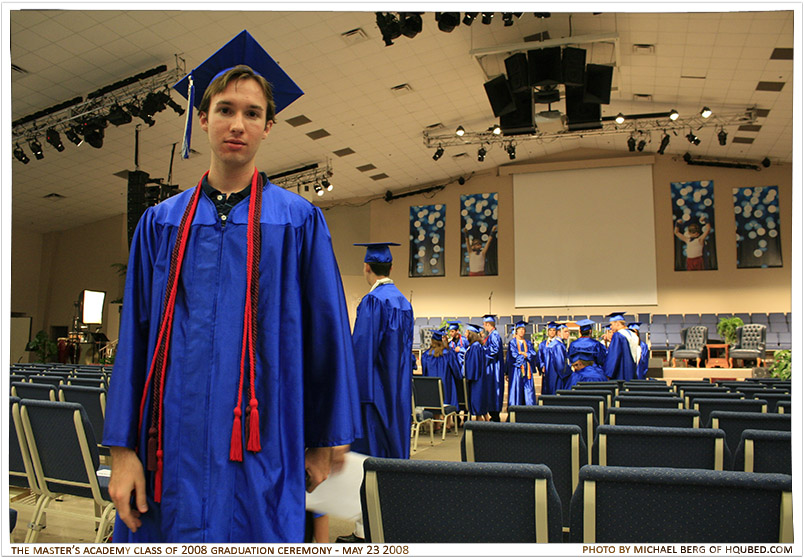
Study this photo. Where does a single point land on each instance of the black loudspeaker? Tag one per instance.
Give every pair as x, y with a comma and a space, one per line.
136, 200
655, 368
580, 115
573, 65
597, 85
520, 121
499, 93
544, 66
516, 66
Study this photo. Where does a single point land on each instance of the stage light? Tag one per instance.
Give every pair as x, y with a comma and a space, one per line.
319, 190
438, 153
326, 184
447, 21
722, 136
496, 130
92, 130
620, 118
54, 139
410, 24
687, 157
481, 154
693, 139
631, 143
664, 144
389, 27
72, 135
177, 108
706, 112
511, 149
508, 19
20, 155
154, 102
487, 16
36, 148
674, 115
766, 162
542, 15
469, 17
641, 145
118, 116
460, 131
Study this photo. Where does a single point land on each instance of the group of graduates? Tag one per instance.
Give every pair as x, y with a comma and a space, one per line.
479, 357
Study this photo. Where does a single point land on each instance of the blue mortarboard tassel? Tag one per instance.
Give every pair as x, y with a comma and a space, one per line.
188, 124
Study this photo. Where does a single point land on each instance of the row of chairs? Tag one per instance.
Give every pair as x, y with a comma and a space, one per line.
609, 504
53, 380
53, 452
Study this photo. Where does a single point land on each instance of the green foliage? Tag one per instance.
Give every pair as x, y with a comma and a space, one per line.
782, 367
44, 347
727, 329
539, 336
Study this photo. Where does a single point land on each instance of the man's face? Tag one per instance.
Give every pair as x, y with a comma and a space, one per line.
455, 334
488, 326
236, 123
617, 326
520, 333
551, 333
565, 333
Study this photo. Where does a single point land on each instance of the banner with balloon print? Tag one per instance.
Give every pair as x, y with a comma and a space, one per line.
756, 216
694, 225
479, 234
427, 240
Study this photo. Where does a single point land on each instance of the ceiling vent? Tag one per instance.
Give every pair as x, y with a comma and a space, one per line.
643, 97
354, 37
402, 89
643, 49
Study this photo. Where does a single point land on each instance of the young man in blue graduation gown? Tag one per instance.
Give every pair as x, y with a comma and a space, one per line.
521, 364
457, 342
553, 357
586, 343
211, 437
624, 350
642, 365
474, 367
584, 369
495, 384
439, 362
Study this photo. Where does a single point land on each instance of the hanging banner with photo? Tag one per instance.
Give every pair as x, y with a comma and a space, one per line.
756, 215
694, 225
427, 240
479, 234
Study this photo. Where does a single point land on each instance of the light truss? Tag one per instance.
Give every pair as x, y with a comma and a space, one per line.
312, 174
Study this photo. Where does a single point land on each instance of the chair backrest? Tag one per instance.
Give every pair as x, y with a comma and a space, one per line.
784, 407
20, 468
653, 446
706, 406
654, 402
615, 505
428, 392
393, 487
63, 449
582, 417
773, 397
648, 386
696, 337
734, 423
26, 390
647, 393
595, 401
604, 393
87, 382
751, 336
559, 446
52, 380
93, 399
764, 451
667, 418
613, 386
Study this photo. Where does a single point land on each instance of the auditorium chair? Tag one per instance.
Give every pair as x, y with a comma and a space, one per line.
667, 418
524, 504
26, 390
734, 423
596, 402
693, 344
659, 504
419, 419
707, 405
784, 407
428, 393
93, 400
764, 451
750, 344
582, 417
606, 394
653, 402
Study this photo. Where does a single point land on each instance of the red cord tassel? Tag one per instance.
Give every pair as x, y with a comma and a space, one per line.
150, 456
158, 479
253, 427
236, 444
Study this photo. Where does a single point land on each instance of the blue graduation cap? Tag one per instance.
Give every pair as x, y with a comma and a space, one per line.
552, 325
473, 328
575, 356
617, 317
561, 326
489, 318
378, 252
635, 325
438, 335
454, 325
585, 324
519, 324
242, 49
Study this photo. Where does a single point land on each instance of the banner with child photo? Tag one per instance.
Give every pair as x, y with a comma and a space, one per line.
479, 234
694, 225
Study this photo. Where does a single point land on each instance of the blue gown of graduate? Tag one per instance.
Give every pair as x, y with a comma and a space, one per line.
620, 362
445, 367
474, 367
495, 384
642, 365
459, 348
592, 373
556, 369
305, 384
383, 342
589, 345
522, 364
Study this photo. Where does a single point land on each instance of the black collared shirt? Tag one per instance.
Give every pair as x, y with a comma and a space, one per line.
224, 203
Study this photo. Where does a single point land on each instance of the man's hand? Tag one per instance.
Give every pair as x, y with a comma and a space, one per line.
127, 477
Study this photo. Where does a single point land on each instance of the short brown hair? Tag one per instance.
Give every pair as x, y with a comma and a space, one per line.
380, 269
238, 73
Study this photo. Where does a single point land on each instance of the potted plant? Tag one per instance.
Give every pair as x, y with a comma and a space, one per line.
781, 365
43, 346
727, 329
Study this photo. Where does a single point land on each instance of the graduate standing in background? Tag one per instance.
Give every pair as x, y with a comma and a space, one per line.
521, 365
211, 438
584, 369
439, 362
563, 333
586, 343
383, 342
553, 357
474, 367
493, 348
624, 350
457, 342
642, 365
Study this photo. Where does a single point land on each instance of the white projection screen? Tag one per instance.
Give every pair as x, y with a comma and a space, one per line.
585, 237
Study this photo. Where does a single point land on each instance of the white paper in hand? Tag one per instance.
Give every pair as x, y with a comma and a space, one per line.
339, 495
